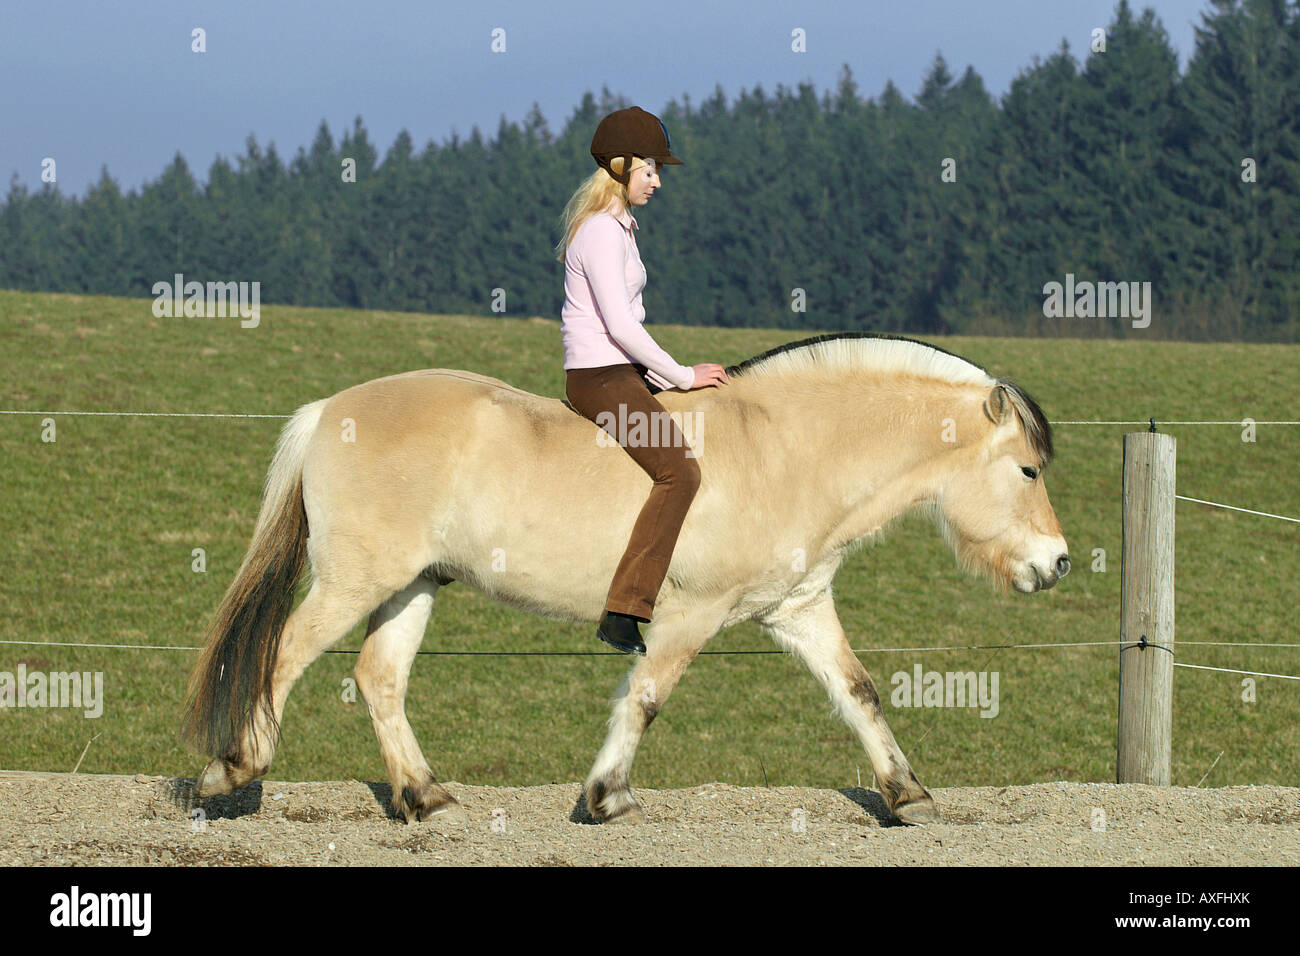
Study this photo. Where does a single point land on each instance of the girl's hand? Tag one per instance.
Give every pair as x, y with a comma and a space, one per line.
707, 374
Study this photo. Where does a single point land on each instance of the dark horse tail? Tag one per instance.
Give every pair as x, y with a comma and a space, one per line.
232, 679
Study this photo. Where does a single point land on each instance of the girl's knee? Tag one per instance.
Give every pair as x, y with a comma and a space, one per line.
689, 474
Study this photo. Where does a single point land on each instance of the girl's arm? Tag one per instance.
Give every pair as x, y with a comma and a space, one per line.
604, 260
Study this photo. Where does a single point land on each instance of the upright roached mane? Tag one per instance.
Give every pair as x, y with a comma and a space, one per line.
879, 352
448, 469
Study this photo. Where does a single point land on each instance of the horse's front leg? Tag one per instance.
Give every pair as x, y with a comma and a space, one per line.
672, 641
812, 631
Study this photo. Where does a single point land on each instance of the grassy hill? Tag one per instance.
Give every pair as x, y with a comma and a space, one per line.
99, 527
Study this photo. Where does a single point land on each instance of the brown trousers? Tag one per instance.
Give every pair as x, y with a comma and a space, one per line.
676, 479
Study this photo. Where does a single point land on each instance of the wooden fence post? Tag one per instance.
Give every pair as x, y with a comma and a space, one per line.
1146, 672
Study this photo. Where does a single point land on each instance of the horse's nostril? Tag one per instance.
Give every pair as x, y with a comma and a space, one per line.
1062, 565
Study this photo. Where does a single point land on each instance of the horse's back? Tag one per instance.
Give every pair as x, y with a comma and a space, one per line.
476, 480
442, 385
519, 494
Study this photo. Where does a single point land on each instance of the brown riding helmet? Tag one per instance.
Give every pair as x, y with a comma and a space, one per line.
627, 133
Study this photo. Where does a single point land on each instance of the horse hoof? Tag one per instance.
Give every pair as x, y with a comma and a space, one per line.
630, 817
918, 813
450, 814
214, 780
613, 805
429, 801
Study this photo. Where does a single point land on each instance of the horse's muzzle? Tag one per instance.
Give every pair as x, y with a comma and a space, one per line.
1044, 580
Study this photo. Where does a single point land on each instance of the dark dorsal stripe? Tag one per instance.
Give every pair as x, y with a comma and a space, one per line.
835, 336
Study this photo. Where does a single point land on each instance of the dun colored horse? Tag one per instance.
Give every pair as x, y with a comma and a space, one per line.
396, 487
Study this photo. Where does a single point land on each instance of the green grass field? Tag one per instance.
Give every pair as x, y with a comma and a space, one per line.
99, 527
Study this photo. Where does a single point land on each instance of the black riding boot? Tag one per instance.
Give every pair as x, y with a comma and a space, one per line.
621, 632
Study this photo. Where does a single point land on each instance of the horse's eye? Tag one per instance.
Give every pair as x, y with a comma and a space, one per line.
1030, 472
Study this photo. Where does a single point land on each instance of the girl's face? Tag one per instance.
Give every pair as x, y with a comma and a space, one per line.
642, 183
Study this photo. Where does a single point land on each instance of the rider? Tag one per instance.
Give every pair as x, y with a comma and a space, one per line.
607, 351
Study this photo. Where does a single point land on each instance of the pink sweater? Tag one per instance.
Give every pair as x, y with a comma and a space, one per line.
602, 315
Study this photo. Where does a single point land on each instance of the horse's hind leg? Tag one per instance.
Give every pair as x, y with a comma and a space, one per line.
813, 632
672, 642
392, 640
322, 619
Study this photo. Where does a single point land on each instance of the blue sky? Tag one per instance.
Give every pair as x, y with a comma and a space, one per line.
98, 83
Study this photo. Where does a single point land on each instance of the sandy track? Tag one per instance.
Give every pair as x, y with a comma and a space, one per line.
62, 819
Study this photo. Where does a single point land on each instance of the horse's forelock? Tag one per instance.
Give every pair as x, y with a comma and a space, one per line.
1038, 430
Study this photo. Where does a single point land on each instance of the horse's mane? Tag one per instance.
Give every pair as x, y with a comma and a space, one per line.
878, 352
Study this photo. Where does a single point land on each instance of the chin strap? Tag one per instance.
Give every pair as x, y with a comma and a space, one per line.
627, 170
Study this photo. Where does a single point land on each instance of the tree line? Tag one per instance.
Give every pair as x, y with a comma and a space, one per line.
949, 212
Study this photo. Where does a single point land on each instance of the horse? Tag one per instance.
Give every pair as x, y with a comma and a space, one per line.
399, 486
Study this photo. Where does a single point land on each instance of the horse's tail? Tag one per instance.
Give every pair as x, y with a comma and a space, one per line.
233, 676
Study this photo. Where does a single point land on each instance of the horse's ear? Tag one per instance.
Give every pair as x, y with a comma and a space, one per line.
996, 406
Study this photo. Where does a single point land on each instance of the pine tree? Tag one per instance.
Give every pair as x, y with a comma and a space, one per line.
1241, 100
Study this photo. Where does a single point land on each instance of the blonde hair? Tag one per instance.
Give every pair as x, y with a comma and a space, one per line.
596, 194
